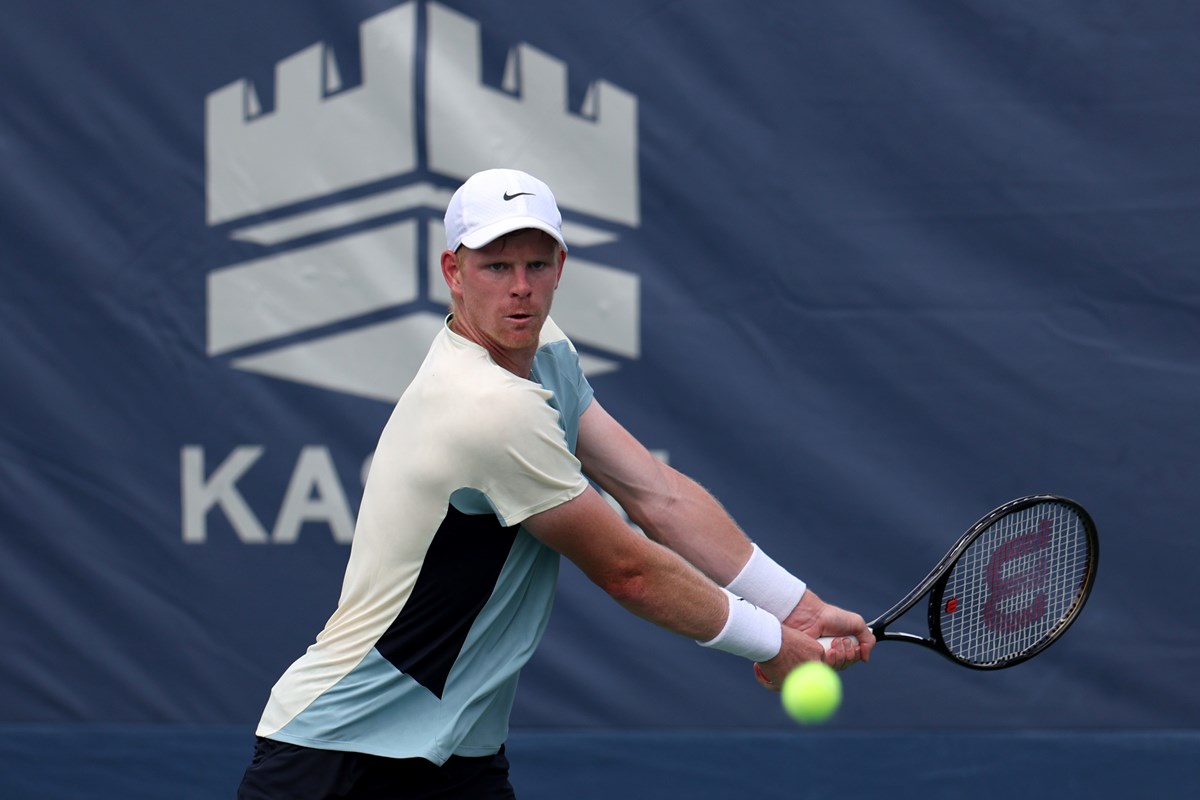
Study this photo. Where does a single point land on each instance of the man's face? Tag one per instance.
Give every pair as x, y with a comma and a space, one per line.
503, 291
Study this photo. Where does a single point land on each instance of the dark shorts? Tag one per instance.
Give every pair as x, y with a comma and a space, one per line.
282, 771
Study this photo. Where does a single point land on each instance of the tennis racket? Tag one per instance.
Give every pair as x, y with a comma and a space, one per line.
1008, 588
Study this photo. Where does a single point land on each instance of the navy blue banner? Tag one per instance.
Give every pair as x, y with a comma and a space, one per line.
865, 270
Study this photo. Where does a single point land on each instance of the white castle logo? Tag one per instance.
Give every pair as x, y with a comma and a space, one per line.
344, 191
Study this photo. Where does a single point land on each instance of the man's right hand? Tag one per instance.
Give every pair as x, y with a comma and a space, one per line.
798, 648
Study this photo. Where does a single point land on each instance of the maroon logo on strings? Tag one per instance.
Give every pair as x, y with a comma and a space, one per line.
1030, 580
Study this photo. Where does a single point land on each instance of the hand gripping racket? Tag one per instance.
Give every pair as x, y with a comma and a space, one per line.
1008, 588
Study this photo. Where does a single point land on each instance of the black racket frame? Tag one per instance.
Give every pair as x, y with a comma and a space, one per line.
935, 583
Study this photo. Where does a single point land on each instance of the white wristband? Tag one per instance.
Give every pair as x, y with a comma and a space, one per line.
749, 631
768, 585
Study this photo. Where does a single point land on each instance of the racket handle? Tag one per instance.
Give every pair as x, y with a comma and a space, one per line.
827, 641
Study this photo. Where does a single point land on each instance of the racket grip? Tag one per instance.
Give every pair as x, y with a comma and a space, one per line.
827, 641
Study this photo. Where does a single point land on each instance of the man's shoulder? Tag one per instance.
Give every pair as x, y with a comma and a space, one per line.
465, 381
552, 335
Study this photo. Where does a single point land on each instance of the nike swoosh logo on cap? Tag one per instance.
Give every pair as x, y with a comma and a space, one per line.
508, 196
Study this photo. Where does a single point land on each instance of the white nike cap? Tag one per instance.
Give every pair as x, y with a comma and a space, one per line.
499, 201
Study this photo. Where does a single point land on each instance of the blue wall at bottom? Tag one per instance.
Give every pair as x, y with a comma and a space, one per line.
136, 763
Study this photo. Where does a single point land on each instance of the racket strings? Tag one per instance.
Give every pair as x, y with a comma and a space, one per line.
1016, 585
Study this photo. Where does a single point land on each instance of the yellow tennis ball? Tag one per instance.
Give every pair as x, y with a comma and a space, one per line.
812, 692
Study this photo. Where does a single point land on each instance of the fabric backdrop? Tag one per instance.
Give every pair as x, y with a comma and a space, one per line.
865, 270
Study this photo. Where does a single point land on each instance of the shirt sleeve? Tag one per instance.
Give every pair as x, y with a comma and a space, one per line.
522, 460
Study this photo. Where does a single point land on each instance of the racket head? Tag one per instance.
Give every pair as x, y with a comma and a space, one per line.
1016, 581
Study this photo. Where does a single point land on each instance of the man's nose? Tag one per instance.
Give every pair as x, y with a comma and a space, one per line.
520, 284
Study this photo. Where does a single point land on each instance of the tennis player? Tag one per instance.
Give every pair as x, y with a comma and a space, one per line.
478, 484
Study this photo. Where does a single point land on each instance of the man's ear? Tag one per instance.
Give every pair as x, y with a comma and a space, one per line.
450, 271
562, 259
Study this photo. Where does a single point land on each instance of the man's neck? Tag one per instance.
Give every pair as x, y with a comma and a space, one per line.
519, 364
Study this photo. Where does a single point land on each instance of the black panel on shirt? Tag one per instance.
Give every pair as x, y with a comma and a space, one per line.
460, 570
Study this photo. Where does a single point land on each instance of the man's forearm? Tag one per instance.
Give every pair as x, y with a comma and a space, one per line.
695, 525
